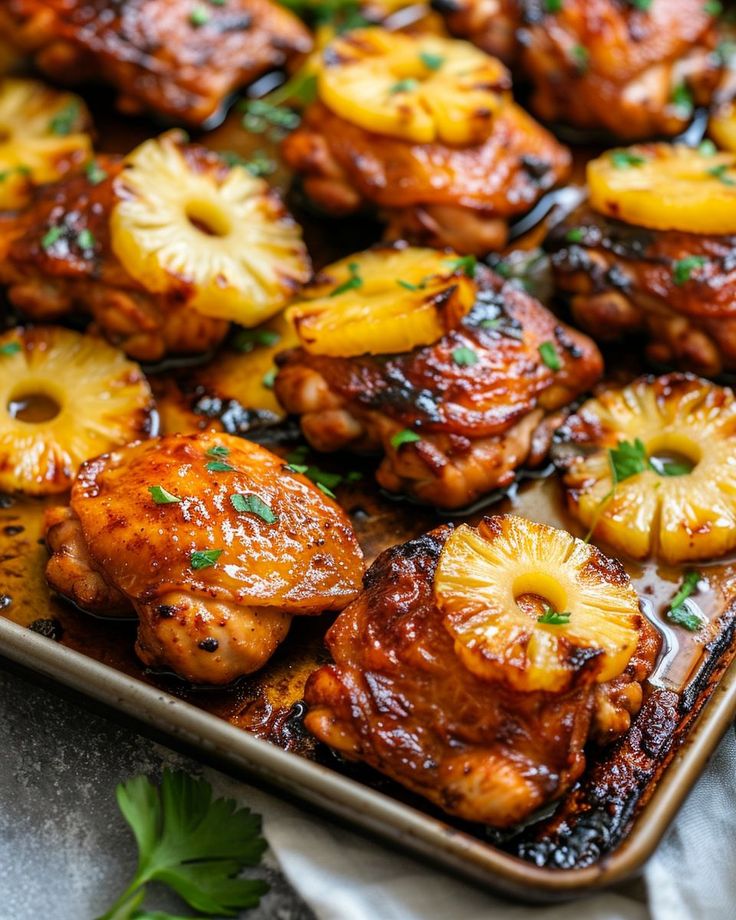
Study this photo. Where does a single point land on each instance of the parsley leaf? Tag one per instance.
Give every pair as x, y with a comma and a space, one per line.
643, 5
95, 173
65, 119
548, 354
252, 504
219, 466
218, 451
466, 264
51, 237
627, 459
190, 842
406, 436
678, 613
199, 17
323, 479
713, 7
204, 558
431, 61
575, 235
682, 99
353, 282
552, 6
269, 378
162, 497
719, 172
246, 340
624, 159
683, 269
707, 148
403, 86
86, 239
407, 285
551, 618
581, 57
464, 357
10, 348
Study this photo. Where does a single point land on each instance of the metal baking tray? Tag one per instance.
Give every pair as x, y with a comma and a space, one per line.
600, 833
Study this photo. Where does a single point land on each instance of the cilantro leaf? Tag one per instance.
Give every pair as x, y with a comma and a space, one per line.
252, 504
191, 843
406, 436
65, 120
683, 269
218, 451
204, 558
430, 60
162, 497
464, 357
627, 459
551, 617
218, 466
548, 354
95, 173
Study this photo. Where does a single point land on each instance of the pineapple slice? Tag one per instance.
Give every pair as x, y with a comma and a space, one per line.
534, 608
184, 220
421, 88
722, 126
42, 136
64, 397
666, 187
654, 468
383, 301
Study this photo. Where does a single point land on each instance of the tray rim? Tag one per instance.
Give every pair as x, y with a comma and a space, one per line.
359, 805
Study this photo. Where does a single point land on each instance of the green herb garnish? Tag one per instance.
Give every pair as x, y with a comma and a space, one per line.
204, 558
575, 235
548, 354
95, 173
190, 842
52, 236
624, 159
682, 99
353, 282
246, 340
65, 119
403, 86
252, 504
86, 239
677, 612
552, 6
199, 17
464, 357
269, 378
683, 269
466, 264
406, 436
719, 172
431, 61
218, 451
550, 617
161, 496
219, 466
10, 348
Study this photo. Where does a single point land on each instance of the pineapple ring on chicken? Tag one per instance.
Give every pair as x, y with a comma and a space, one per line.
384, 301
666, 187
214, 541
42, 136
497, 583
64, 397
186, 218
658, 507
419, 88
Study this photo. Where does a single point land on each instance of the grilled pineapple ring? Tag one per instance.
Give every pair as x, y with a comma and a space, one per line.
186, 222
420, 88
666, 187
42, 135
64, 398
383, 301
494, 583
679, 516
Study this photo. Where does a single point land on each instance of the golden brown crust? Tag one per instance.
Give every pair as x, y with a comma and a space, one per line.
154, 51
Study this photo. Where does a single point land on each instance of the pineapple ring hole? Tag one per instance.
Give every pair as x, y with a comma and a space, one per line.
671, 448
33, 408
208, 217
534, 592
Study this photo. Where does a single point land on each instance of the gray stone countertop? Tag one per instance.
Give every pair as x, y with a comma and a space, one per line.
65, 850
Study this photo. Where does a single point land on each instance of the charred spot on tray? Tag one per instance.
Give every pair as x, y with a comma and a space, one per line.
49, 627
210, 644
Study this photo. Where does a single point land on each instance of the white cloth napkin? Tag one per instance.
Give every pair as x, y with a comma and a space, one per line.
343, 876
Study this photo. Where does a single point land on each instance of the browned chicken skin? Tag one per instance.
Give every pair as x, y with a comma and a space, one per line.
399, 698
477, 424
622, 280
159, 54
281, 548
435, 194
602, 64
47, 280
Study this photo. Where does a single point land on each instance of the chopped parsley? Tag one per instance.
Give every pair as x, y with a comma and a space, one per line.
204, 558
580, 57
162, 496
405, 436
464, 357
246, 340
643, 5
219, 466
218, 451
259, 165
404, 86
548, 354
575, 235
682, 99
65, 119
624, 159
713, 7
199, 17
252, 504
552, 6
707, 148
353, 282
10, 348
682, 269
466, 264
260, 116
269, 378
677, 612
95, 173
719, 172
627, 459
407, 285
325, 489
86, 239
323, 479
550, 617
431, 61
15, 171
51, 237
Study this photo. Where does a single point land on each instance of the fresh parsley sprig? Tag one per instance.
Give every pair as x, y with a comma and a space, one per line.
677, 612
190, 842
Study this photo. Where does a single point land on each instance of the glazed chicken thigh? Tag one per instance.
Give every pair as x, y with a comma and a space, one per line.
177, 59
213, 541
476, 725
456, 417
